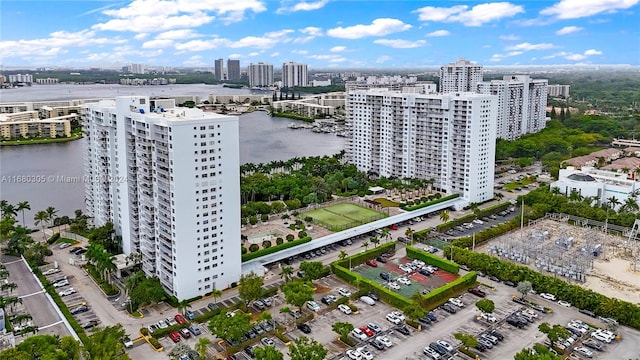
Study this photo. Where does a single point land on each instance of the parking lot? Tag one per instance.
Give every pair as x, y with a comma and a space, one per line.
477, 225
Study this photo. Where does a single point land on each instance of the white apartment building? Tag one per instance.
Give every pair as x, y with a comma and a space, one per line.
21, 78
137, 68
522, 104
218, 69
168, 179
447, 137
294, 74
460, 76
559, 90
260, 74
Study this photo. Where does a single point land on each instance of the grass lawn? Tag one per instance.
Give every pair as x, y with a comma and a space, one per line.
68, 241
386, 202
518, 184
343, 216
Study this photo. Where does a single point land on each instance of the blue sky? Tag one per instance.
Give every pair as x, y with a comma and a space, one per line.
321, 33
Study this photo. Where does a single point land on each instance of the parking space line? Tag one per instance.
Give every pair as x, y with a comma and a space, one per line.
12, 262
50, 325
35, 293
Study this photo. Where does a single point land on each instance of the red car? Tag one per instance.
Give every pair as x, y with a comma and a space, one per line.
372, 263
180, 319
367, 331
174, 336
393, 227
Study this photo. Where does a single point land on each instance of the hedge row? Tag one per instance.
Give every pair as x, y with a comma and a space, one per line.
433, 202
624, 312
487, 234
469, 217
428, 258
437, 296
361, 257
389, 296
207, 316
160, 333
274, 249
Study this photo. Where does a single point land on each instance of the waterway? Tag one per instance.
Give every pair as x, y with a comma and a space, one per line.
262, 139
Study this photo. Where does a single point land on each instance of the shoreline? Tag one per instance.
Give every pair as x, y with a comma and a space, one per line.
40, 141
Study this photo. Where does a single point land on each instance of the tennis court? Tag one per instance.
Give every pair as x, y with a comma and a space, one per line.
343, 216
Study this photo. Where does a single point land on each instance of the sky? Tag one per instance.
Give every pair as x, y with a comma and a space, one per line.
320, 33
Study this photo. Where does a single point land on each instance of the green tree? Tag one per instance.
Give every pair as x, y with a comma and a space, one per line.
267, 353
22, 206
414, 311
41, 219
312, 269
524, 287
374, 240
554, 333
444, 216
343, 329
538, 352
286, 273
485, 305
106, 344
553, 114
201, 346
297, 293
365, 245
342, 255
51, 214
250, 287
216, 295
468, 341
148, 291
304, 348
230, 327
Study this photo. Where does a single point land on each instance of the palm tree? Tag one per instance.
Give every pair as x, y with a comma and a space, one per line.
444, 216
365, 245
430, 182
386, 234
11, 286
134, 280
216, 295
631, 205
8, 209
575, 196
374, 240
286, 273
409, 234
613, 202
41, 219
342, 255
499, 196
555, 190
22, 206
184, 305
201, 347
51, 213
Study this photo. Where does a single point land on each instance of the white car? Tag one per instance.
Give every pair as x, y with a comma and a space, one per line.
399, 315
344, 292
457, 302
51, 271
64, 245
359, 334
393, 319
345, 309
68, 291
431, 353
385, 341
563, 303
394, 285
548, 296
584, 351
602, 336
404, 280
61, 283
405, 268
313, 306
366, 354
530, 314
354, 355
479, 222
445, 345
419, 263
162, 324
489, 317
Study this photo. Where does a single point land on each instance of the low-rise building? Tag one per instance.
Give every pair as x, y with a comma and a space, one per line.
602, 186
244, 98
47, 81
313, 106
603, 156
47, 112
27, 124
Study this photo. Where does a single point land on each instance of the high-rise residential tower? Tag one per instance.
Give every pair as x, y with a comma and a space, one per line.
294, 74
446, 137
260, 74
460, 76
233, 69
522, 104
218, 70
167, 178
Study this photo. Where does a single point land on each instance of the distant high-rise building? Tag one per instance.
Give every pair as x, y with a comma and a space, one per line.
137, 68
559, 90
160, 174
233, 69
260, 74
294, 74
521, 104
446, 137
460, 76
218, 71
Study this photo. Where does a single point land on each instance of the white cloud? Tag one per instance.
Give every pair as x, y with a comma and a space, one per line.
568, 30
303, 6
400, 44
475, 16
254, 53
574, 9
177, 34
379, 27
235, 56
300, 52
141, 36
55, 44
510, 37
157, 44
500, 57
275, 54
312, 30
438, 33
331, 58
574, 56
525, 46
155, 23
338, 48
382, 59
195, 60
591, 52
267, 41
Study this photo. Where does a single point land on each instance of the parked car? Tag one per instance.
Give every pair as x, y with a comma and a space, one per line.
424, 272
394, 285
548, 296
304, 328
385, 276
385, 340
180, 319
374, 327
79, 309
438, 348
367, 331
61, 283
344, 292
477, 291
313, 306
372, 263
359, 334
457, 302
174, 336
564, 303
185, 333
593, 345
373, 296
584, 351
195, 331
366, 354
393, 319
510, 283
431, 353
267, 341
449, 308
381, 259
328, 300
367, 300
354, 355
256, 304
587, 312
403, 330
431, 316
190, 314
377, 344
89, 324
488, 317
497, 334
345, 309
403, 240
67, 292
51, 271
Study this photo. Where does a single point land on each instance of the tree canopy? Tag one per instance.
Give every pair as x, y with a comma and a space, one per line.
304, 348
250, 287
297, 292
230, 327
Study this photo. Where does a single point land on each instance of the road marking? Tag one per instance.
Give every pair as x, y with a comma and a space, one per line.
50, 325
35, 293
13, 262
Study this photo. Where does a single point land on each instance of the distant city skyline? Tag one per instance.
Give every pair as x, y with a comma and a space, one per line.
322, 33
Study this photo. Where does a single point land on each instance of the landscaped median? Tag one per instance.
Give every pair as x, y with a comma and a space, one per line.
470, 217
429, 203
274, 249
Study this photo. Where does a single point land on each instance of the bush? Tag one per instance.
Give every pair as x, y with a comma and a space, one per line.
273, 249
290, 237
144, 331
53, 238
469, 217
347, 340
302, 234
243, 250
434, 298
428, 258
361, 257
160, 333
155, 343
266, 244
282, 337
254, 247
279, 241
207, 315
433, 202
264, 217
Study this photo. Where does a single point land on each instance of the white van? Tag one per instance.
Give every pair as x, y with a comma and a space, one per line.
367, 300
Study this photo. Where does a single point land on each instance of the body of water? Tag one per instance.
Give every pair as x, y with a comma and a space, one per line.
262, 139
